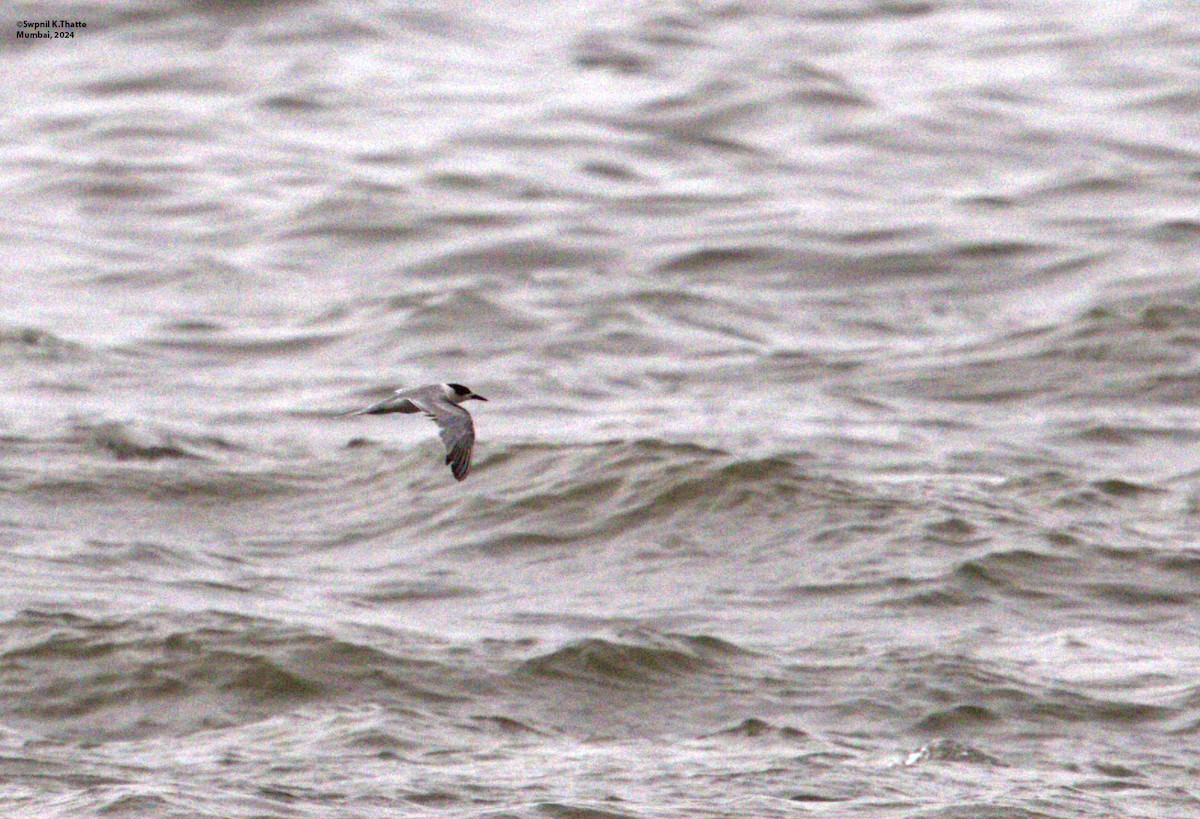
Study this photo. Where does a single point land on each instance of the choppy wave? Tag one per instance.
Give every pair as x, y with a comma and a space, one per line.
620, 664
125, 678
841, 438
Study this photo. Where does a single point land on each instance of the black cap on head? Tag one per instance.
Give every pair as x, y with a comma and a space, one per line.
459, 388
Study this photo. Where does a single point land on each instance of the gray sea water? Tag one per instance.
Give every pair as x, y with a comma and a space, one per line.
842, 455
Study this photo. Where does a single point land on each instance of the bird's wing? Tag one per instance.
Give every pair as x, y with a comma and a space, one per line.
395, 402
456, 430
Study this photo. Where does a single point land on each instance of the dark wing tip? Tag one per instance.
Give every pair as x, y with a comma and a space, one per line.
459, 462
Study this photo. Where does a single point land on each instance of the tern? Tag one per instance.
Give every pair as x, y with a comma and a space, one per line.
441, 403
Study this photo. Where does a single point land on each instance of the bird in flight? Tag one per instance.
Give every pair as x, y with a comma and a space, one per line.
441, 403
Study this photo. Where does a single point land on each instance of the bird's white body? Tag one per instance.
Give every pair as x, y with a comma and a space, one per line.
441, 403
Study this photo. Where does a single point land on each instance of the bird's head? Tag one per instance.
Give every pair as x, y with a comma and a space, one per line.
457, 393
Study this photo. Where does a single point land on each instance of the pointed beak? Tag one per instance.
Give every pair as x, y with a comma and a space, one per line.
477, 397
